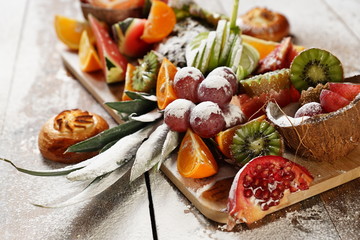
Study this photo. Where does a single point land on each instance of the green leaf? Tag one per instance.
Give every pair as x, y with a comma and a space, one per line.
49, 173
140, 95
137, 106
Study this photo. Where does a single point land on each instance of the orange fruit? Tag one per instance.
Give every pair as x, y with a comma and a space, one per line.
128, 81
160, 22
264, 47
224, 140
69, 31
89, 59
165, 92
195, 160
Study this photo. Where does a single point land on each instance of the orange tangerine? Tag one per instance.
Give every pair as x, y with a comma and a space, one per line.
195, 160
128, 81
89, 59
224, 140
69, 31
165, 92
160, 23
264, 47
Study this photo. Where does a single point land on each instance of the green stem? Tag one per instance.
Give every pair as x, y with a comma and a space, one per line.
234, 14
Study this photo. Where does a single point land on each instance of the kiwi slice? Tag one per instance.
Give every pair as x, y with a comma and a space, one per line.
255, 138
314, 66
145, 74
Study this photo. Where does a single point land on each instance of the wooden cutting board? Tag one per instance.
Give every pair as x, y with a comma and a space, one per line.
209, 195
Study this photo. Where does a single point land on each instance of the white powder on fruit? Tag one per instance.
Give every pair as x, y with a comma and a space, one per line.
233, 115
310, 109
191, 72
216, 82
204, 110
179, 107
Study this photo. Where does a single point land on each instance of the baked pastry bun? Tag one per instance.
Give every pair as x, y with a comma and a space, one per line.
65, 129
265, 24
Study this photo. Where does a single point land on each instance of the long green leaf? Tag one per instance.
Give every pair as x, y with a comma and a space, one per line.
99, 141
140, 95
49, 173
138, 106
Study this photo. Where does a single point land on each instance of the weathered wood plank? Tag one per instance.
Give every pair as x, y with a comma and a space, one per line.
41, 88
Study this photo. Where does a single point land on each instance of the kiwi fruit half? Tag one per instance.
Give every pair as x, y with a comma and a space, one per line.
314, 66
145, 74
255, 138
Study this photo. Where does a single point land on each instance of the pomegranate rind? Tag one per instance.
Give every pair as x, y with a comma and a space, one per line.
324, 137
243, 209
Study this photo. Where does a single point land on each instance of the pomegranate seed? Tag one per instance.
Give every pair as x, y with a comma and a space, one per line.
280, 187
258, 168
293, 189
256, 183
258, 194
265, 173
264, 184
264, 207
275, 194
271, 179
289, 176
248, 193
266, 195
286, 184
287, 169
276, 203
303, 186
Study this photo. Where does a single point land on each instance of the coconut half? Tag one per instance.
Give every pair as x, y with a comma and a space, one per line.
324, 137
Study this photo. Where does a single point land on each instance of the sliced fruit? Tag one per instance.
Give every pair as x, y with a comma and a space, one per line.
145, 74
346, 90
248, 62
209, 49
262, 186
69, 31
160, 22
265, 47
331, 101
314, 66
195, 160
127, 35
224, 139
88, 57
114, 64
165, 84
130, 69
267, 82
255, 138
278, 58
214, 57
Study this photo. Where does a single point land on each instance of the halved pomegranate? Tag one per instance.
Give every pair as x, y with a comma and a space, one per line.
262, 186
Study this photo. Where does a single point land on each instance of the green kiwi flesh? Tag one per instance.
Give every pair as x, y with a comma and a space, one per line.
314, 66
145, 74
253, 139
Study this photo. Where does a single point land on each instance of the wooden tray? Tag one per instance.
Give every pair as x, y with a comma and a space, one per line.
209, 195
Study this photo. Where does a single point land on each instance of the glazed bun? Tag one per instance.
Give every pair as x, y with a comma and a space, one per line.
265, 24
65, 129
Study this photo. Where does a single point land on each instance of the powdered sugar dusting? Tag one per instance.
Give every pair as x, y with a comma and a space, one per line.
191, 72
204, 110
179, 107
309, 109
216, 82
233, 116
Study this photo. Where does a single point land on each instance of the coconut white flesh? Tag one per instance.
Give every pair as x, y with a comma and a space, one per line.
282, 117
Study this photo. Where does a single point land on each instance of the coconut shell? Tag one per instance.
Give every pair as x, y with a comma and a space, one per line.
110, 16
324, 137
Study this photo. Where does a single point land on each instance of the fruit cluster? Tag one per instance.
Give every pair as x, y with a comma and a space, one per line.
211, 94
332, 97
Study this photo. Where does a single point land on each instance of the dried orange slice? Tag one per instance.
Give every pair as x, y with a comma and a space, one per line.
264, 47
194, 158
69, 31
89, 59
164, 86
160, 23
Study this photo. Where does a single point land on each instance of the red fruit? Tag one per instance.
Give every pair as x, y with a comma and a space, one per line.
309, 109
186, 82
228, 74
113, 63
177, 114
269, 196
294, 94
278, 58
331, 101
346, 90
127, 34
207, 119
216, 89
